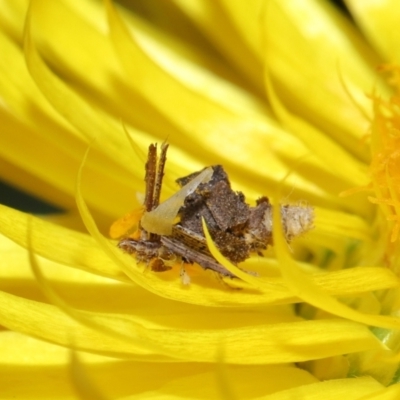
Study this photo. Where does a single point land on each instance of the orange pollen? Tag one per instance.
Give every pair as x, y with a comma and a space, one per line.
385, 165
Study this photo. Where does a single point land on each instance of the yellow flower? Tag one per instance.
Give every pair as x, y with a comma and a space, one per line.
280, 93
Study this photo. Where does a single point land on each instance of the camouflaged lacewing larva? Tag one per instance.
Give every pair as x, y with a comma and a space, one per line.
237, 229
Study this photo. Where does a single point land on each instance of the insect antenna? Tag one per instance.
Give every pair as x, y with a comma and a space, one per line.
153, 178
160, 175
150, 177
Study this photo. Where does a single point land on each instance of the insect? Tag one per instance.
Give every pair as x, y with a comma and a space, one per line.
172, 231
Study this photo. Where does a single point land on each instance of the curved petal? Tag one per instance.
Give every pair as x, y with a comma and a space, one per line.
114, 377
379, 21
263, 344
352, 389
56, 243
239, 137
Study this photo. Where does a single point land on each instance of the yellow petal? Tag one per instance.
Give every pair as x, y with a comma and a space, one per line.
33, 117
56, 243
275, 343
81, 381
239, 137
390, 393
378, 20
350, 388
114, 377
301, 284
308, 27
309, 74
114, 158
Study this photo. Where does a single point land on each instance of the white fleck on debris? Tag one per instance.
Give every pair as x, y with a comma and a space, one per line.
296, 220
185, 278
